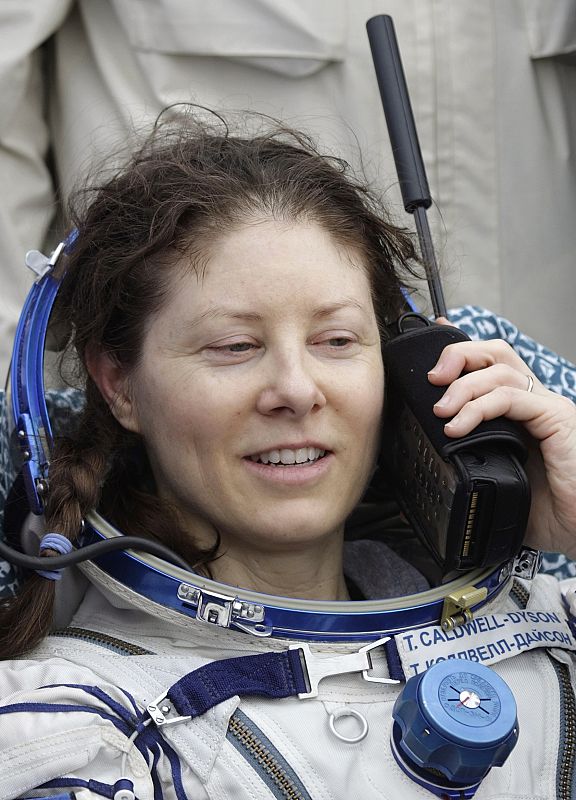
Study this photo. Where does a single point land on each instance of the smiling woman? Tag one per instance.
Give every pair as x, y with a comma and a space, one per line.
226, 296
263, 379
226, 299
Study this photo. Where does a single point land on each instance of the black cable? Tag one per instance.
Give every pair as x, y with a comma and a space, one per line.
91, 551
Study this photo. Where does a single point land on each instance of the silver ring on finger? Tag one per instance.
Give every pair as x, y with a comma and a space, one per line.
530, 383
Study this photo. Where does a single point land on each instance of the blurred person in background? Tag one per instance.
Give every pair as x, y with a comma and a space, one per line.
491, 86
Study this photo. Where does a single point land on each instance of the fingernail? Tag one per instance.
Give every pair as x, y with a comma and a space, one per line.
453, 423
444, 401
434, 371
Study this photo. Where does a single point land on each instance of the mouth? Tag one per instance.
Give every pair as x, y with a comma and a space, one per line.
286, 457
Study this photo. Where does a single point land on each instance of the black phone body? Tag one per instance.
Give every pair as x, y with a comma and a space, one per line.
467, 499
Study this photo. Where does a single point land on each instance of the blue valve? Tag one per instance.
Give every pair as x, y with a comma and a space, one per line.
452, 724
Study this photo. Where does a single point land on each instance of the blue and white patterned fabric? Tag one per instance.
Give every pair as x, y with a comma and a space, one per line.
557, 373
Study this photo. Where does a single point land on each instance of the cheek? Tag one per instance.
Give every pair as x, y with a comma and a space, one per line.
373, 411
368, 399
361, 406
193, 419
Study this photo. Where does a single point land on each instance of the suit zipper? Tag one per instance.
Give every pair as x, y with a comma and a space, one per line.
567, 739
265, 759
104, 640
519, 594
567, 750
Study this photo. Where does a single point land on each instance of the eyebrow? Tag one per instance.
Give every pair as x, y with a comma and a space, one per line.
318, 312
331, 308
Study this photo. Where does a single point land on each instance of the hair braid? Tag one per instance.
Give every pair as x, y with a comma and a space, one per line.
77, 471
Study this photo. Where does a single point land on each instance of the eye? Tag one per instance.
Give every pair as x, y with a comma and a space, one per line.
232, 351
237, 347
337, 343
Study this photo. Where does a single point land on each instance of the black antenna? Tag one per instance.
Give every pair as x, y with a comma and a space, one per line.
405, 145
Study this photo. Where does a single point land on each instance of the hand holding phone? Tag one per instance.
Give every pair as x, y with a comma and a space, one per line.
487, 380
466, 497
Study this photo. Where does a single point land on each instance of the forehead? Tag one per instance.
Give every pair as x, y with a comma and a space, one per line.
277, 262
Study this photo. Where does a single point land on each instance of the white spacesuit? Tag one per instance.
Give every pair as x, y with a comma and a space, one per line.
164, 684
79, 714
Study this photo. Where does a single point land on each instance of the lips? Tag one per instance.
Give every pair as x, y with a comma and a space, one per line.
293, 474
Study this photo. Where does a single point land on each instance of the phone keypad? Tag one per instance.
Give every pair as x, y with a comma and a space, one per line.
428, 482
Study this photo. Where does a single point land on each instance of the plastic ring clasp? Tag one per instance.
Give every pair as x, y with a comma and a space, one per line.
348, 712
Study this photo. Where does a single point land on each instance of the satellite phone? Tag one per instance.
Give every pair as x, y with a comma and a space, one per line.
467, 499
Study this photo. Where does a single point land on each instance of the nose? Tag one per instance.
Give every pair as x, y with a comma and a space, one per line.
292, 387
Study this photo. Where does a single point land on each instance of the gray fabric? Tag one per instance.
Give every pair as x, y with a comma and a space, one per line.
492, 86
379, 572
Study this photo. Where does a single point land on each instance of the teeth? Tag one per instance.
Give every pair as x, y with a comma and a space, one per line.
301, 455
287, 457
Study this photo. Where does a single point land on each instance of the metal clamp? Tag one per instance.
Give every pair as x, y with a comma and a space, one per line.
457, 609
225, 610
33, 447
317, 667
41, 264
163, 713
527, 563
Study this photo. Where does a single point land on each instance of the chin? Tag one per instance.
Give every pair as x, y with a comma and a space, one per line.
296, 531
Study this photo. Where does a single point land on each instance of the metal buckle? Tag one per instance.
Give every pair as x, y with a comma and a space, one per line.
161, 711
527, 563
316, 667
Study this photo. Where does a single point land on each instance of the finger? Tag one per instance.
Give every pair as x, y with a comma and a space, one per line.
475, 384
543, 415
470, 356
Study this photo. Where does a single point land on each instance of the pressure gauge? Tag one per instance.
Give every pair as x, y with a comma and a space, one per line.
452, 724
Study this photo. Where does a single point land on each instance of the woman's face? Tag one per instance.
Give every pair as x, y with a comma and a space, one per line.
260, 388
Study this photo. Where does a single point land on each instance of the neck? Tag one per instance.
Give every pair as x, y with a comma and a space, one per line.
311, 572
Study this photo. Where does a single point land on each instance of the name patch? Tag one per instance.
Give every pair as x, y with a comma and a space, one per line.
487, 639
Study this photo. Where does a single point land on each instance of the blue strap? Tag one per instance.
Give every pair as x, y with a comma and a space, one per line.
103, 789
266, 675
51, 708
148, 739
105, 698
395, 668
67, 796
156, 751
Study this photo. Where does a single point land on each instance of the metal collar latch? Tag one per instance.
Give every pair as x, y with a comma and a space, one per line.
224, 610
457, 609
317, 666
527, 563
